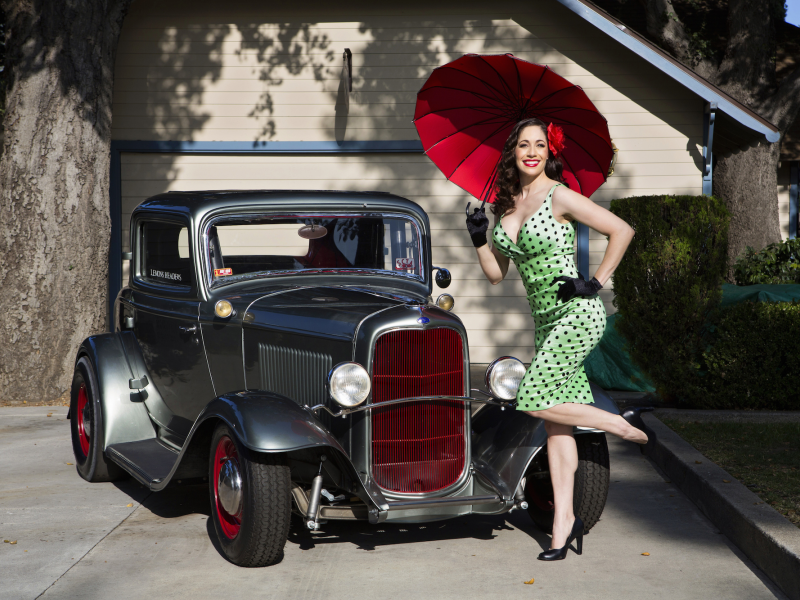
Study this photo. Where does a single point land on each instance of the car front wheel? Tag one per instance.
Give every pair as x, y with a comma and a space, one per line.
591, 483
250, 501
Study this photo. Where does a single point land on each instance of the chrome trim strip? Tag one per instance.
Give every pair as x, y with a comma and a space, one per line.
345, 412
205, 351
208, 278
457, 501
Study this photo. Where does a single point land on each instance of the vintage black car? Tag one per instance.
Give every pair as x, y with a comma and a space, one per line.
286, 346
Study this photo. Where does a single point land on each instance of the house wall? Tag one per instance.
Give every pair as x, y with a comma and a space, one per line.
197, 71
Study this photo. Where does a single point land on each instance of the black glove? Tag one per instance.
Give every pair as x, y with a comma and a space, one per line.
477, 225
575, 286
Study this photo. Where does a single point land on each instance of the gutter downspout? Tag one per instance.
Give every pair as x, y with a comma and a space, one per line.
793, 208
709, 117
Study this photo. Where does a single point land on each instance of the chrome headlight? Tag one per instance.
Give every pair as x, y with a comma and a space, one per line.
349, 384
445, 301
504, 376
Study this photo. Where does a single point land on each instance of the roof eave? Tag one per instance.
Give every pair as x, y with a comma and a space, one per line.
668, 65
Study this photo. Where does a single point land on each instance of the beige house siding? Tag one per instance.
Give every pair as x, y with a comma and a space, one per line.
231, 73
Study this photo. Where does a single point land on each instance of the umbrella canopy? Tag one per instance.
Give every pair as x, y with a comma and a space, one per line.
467, 109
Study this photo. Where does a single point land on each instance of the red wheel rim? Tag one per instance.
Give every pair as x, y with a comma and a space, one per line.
83, 432
541, 503
229, 523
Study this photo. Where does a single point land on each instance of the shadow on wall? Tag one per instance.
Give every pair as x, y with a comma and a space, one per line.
392, 59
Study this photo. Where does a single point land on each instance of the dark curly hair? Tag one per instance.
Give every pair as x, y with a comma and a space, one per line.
507, 185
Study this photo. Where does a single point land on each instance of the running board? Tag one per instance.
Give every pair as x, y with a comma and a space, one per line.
148, 461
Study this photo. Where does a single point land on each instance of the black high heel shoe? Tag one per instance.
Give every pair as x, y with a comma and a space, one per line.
633, 416
561, 553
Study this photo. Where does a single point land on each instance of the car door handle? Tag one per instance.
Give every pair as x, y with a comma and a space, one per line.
188, 328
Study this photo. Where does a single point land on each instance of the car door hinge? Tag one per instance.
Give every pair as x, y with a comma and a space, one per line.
138, 384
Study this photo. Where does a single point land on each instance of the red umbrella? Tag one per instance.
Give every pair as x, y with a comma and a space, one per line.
467, 108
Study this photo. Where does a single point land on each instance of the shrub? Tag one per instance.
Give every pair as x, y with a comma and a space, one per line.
752, 361
776, 263
668, 285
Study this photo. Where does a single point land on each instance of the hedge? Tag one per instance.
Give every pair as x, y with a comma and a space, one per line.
668, 286
777, 263
753, 359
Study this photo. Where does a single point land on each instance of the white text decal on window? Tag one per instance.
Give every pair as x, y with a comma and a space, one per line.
165, 275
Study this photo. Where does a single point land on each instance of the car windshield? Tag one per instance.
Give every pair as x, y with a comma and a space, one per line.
246, 247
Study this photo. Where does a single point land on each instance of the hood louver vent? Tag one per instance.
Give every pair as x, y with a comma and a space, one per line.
297, 374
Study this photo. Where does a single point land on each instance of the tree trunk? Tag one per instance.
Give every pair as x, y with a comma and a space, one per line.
747, 182
54, 188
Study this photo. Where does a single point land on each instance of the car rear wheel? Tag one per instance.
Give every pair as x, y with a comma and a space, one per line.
250, 501
591, 483
86, 425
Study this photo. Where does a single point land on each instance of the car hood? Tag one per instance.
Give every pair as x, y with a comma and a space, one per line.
322, 312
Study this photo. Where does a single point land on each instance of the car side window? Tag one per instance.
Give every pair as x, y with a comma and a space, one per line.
166, 258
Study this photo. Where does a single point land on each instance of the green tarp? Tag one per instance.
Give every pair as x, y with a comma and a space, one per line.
610, 366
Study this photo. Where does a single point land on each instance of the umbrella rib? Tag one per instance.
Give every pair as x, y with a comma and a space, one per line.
494, 101
573, 172
509, 93
472, 151
536, 87
484, 122
442, 87
571, 87
582, 128
487, 189
496, 96
589, 154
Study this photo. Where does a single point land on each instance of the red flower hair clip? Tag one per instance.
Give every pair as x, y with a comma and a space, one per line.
555, 139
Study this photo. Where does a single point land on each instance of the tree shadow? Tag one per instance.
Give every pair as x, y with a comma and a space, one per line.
281, 61
368, 537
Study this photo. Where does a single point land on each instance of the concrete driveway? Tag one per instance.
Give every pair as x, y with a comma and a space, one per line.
81, 540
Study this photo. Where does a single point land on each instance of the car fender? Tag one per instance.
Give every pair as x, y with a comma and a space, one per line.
268, 422
505, 442
125, 418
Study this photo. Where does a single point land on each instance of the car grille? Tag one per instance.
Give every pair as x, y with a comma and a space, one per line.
418, 447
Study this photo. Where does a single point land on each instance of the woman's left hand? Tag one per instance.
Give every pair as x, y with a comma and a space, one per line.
576, 286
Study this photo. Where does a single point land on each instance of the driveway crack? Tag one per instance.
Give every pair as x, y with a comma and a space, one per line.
112, 530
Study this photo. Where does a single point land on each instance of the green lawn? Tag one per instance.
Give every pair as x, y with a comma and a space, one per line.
764, 457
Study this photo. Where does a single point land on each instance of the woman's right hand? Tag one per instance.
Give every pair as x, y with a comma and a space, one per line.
477, 225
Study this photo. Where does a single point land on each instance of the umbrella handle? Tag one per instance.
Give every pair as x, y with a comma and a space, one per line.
480, 209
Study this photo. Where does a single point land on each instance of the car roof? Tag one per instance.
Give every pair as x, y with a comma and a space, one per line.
197, 204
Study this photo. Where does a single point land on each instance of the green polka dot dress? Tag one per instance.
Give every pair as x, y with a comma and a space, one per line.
565, 332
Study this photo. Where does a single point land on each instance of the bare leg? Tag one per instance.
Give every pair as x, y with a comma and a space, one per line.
562, 454
585, 415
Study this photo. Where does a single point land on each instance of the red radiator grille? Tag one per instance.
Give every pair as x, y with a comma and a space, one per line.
418, 447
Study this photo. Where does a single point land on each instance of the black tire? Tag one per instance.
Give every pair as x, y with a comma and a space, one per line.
86, 426
257, 534
591, 483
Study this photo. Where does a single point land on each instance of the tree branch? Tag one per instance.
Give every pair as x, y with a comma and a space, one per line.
664, 25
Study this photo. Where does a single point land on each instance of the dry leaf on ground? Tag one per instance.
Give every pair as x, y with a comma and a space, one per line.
528, 582
645, 554
726, 481
698, 462
128, 505
68, 463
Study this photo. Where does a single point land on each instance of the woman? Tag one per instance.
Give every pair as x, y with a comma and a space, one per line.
535, 216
